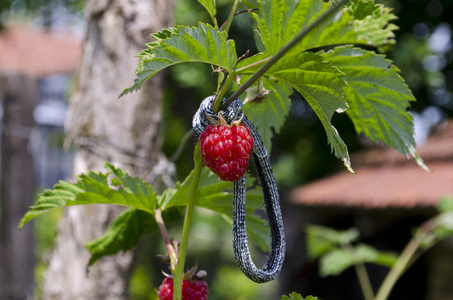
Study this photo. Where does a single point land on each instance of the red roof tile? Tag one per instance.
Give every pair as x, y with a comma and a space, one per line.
385, 178
38, 53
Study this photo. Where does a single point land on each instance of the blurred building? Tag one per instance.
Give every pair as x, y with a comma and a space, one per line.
387, 198
36, 66
50, 58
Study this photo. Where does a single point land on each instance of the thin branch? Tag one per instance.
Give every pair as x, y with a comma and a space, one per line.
170, 249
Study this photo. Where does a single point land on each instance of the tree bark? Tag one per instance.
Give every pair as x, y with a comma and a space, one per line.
17, 186
124, 132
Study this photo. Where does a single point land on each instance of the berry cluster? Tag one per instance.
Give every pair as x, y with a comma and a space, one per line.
191, 289
226, 149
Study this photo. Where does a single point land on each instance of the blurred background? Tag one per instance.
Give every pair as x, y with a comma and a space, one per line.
41, 49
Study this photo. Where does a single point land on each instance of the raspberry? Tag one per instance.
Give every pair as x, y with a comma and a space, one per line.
191, 289
226, 149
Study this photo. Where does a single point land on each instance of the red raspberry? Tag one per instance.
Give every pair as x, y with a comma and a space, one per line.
191, 289
226, 150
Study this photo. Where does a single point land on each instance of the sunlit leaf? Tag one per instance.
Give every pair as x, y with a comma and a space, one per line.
204, 44
378, 98
95, 188
296, 296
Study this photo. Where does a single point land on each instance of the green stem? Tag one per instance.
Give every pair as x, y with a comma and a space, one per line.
406, 258
226, 85
364, 281
281, 53
398, 269
227, 24
178, 273
252, 65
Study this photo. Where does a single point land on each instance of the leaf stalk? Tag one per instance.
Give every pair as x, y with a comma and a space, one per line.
170, 249
226, 26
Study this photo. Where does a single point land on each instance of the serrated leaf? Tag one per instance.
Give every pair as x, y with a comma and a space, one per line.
125, 232
335, 262
378, 98
122, 235
216, 195
320, 83
204, 44
296, 296
269, 113
210, 6
278, 22
94, 188
372, 22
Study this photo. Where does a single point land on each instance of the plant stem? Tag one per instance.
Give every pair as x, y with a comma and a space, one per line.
281, 53
406, 258
170, 249
222, 92
364, 281
178, 273
227, 24
398, 269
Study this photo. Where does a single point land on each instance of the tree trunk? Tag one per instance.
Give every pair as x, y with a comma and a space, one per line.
124, 132
17, 187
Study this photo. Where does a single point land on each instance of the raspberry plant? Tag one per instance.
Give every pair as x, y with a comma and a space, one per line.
308, 46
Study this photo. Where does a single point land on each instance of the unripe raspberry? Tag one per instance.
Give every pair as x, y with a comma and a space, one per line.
226, 150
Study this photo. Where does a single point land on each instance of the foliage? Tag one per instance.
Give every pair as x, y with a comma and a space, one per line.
117, 187
374, 96
296, 296
337, 252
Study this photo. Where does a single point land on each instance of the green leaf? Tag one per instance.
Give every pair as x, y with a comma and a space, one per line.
445, 204
378, 98
204, 44
321, 240
335, 262
94, 188
372, 22
210, 6
279, 21
320, 83
367, 254
122, 235
216, 195
251, 3
269, 111
296, 296
125, 232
